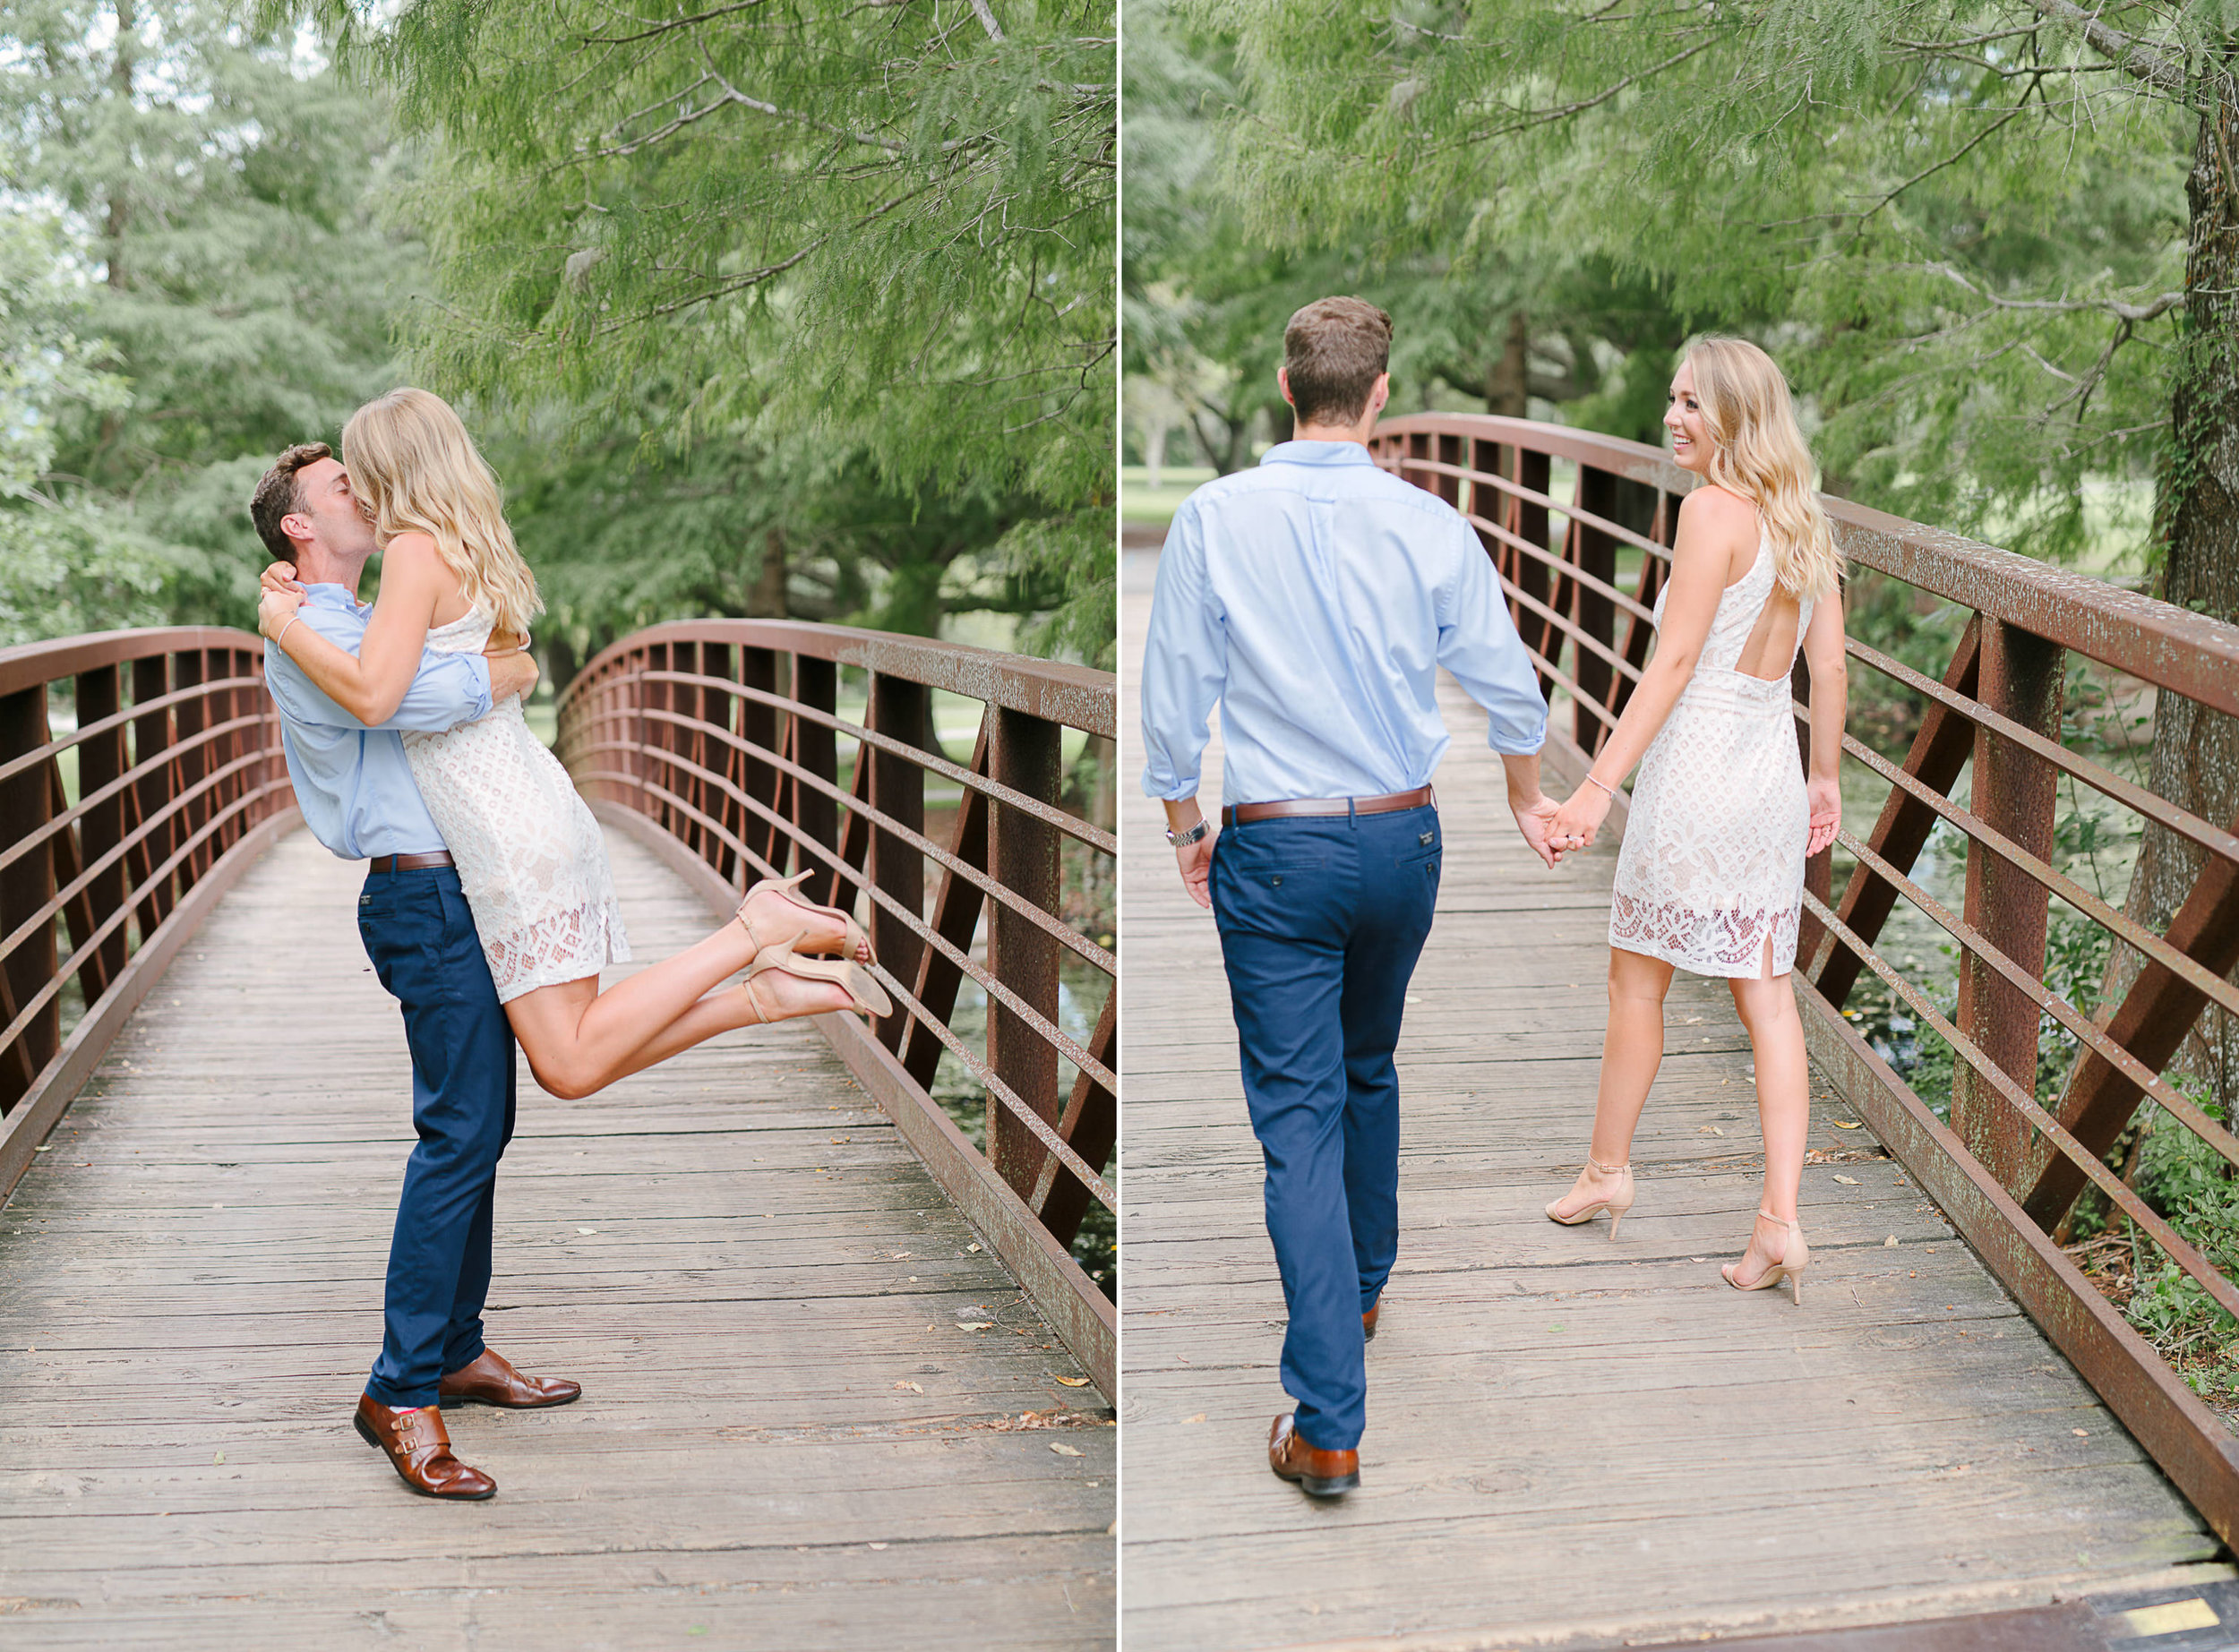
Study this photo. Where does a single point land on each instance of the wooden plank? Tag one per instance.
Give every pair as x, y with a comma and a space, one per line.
804, 1374
1569, 1440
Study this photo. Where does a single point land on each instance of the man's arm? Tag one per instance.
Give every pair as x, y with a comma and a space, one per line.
1478, 643
448, 688
1185, 668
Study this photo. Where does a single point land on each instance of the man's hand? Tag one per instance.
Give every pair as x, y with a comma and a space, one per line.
1535, 818
1195, 860
1576, 822
511, 674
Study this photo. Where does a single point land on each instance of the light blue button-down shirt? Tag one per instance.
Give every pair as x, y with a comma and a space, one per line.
353, 782
1314, 598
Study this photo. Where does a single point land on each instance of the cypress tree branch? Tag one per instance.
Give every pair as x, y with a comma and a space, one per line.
2136, 59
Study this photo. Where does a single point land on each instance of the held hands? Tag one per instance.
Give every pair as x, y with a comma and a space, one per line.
1577, 821
1535, 819
1825, 799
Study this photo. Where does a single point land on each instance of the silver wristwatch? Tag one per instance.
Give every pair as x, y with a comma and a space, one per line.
1182, 840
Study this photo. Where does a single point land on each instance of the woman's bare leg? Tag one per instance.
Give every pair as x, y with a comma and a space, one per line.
579, 1040
772, 997
1776, 1035
1632, 1049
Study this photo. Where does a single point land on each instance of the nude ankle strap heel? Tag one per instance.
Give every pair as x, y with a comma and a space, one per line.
1616, 1202
1795, 1256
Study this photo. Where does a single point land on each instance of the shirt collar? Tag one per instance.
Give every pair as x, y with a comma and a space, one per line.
1316, 453
326, 594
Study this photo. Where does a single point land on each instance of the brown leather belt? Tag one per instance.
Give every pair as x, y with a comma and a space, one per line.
1391, 803
407, 863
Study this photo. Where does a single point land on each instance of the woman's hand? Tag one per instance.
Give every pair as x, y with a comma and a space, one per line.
1824, 798
275, 608
280, 576
1578, 819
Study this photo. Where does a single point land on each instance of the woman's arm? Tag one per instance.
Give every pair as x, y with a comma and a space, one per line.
1713, 526
1830, 693
370, 683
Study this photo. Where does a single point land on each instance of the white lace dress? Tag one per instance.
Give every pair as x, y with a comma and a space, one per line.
1712, 863
531, 859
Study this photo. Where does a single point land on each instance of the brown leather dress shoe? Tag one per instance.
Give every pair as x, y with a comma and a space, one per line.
1317, 1472
1368, 1319
491, 1381
418, 1447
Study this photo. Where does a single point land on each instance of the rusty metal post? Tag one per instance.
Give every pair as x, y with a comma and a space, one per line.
151, 737
26, 886
2013, 792
1026, 756
758, 727
101, 760
1597, 553
191, 717
816, 748
898, 709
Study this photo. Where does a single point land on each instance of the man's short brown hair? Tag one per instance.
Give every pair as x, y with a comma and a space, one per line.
1332, 350
277, 494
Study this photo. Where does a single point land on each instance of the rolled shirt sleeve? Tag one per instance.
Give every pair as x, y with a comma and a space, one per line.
448, 689
1185, 663
1479, 645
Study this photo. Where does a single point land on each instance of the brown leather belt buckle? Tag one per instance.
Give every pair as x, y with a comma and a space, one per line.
407, 863
1391, 803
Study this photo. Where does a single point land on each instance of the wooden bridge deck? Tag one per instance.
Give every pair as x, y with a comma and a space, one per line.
1572, 1441
790, 1435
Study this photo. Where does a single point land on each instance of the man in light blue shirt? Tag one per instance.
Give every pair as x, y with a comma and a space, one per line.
358, 797
1314, 599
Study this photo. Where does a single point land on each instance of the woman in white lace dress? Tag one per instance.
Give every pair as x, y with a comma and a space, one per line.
530, 858
1710, 876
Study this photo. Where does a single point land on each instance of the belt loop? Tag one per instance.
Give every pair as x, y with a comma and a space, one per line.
1352, 813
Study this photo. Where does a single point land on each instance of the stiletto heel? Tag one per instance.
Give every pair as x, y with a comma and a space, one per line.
866, 995
1795, 1256
1617, 1203
856, 943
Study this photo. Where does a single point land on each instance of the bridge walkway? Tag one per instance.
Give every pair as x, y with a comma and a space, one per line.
815, 1412
1572, 1442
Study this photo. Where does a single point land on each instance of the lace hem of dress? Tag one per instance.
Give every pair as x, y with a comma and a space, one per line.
552, 949
1728, 942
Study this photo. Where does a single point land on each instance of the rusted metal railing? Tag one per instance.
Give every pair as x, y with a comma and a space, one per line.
720, 743
179, 784
2009, 1162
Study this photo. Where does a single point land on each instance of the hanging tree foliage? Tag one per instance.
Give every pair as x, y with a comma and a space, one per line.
891, 225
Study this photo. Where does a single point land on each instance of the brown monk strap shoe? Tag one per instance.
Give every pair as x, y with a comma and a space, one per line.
414, 1439
1317, 1472
491, 1381
1368, 1318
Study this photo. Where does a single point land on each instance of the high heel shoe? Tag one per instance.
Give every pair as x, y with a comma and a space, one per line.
866, 995
857, 946
1616, 1202
1795, 1256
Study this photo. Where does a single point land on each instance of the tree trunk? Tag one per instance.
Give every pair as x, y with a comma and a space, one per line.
1508, 378
2195, 760
1154, 451
766, 599
120, 88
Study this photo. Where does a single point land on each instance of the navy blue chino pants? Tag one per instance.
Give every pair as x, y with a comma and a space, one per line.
421, 937
1321, 919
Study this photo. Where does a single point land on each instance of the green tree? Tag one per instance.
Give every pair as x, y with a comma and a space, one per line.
889, 227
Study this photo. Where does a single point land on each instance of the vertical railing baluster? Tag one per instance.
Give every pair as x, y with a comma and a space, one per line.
716, 711
27, 884
1026, 755
2013, 792
816, 749
191, 717
101, 760
1597, 556
759, 726
151, 739
898, 710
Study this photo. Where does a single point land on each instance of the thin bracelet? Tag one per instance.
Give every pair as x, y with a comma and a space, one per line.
293, 617
1604, 784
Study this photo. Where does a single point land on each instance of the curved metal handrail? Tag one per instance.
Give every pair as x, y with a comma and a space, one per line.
719, 742
175, 783
2009, 1163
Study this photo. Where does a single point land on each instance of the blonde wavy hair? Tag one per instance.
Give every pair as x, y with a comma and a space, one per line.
415, 469
1759, 452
